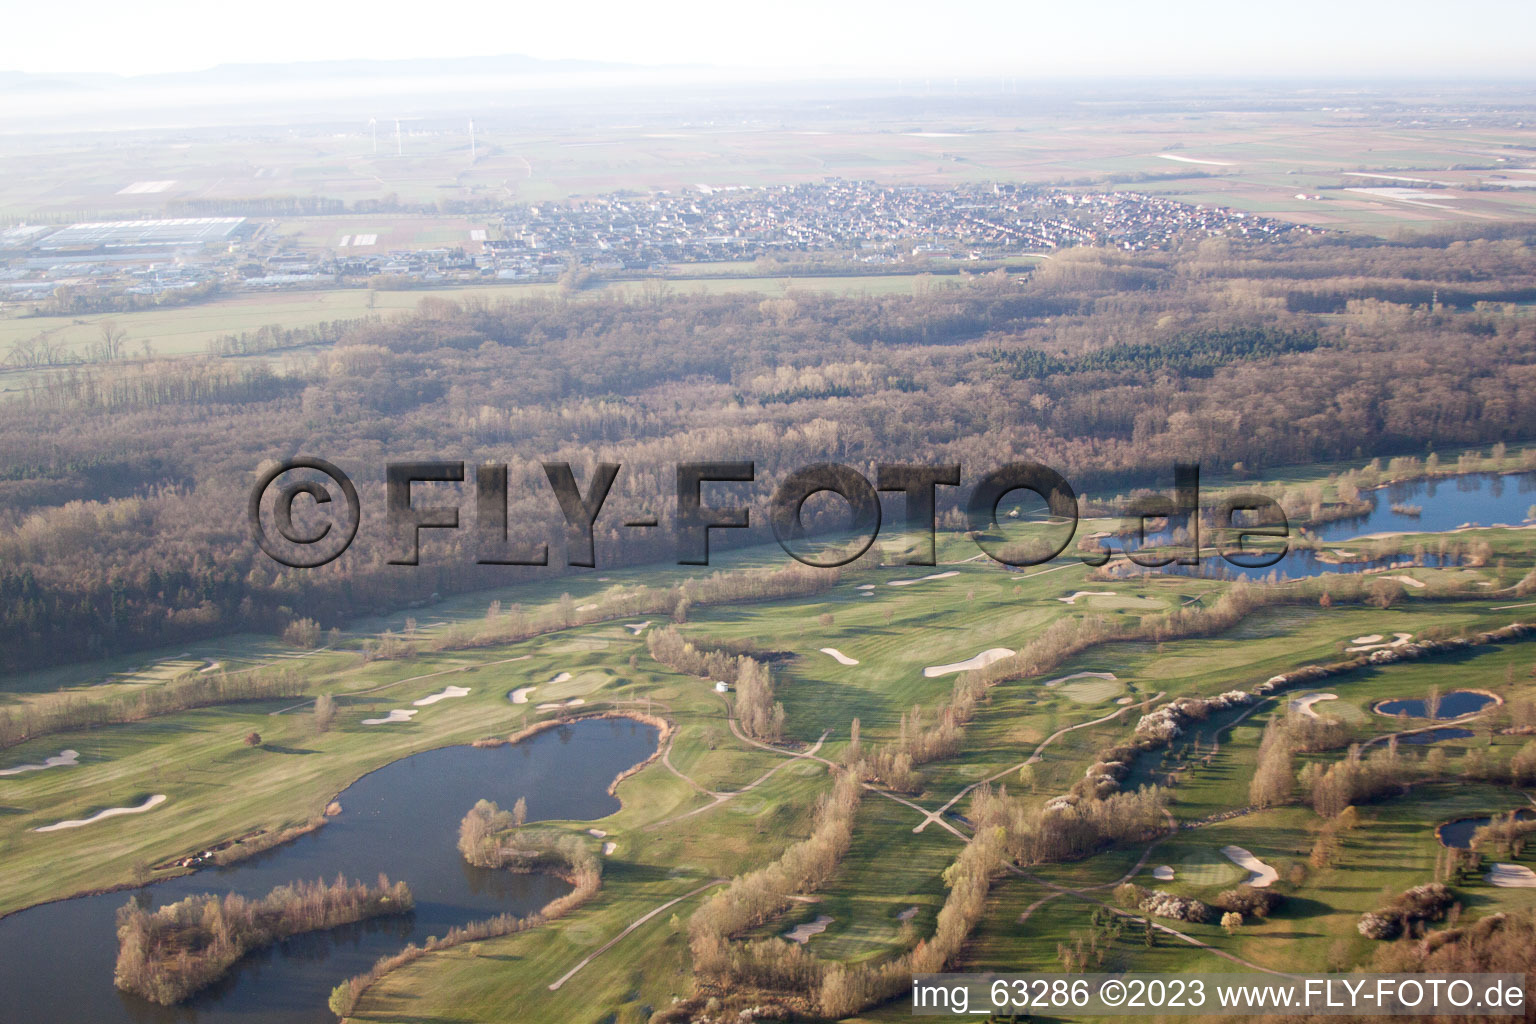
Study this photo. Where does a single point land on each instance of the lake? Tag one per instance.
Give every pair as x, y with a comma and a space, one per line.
1446, 503
401, 820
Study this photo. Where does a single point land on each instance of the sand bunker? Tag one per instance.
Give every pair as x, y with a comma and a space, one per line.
924, 579
637, 627
111, 812
1126, 700
802, 933
1511, 876
1081, 675
1372, 638
62, 759
1194, 160
907, 915
839, 656
1408, 581
447, 694
1398, 640
597, 833
1304, 704
396, 715
1163, 872
1072, 598
1260, 875
520, 695
608, 849
212, 666
981, 660
562, 677
585, 607
865, 586
567, 704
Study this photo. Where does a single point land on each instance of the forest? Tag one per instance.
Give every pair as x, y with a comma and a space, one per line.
123, 485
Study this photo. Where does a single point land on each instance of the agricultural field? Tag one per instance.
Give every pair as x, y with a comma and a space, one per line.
190, 330
1377, 178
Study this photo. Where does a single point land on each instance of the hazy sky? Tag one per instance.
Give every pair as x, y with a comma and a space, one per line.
1344, 38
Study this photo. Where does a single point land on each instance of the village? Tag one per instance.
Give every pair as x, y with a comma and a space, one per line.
624, 233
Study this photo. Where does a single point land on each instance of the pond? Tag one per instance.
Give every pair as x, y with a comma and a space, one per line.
401, 820
1458, 833
1452, 705
1436, 735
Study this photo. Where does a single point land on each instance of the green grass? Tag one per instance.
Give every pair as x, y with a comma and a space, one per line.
217, 787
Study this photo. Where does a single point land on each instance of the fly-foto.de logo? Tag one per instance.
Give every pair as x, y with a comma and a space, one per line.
330, 513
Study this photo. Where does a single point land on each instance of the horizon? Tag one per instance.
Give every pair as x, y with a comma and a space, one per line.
861, 39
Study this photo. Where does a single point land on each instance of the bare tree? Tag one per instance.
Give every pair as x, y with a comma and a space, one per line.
325, 712
112, 340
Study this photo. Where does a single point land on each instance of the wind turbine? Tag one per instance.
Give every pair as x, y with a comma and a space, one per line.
398, 150
373, 127
471, 140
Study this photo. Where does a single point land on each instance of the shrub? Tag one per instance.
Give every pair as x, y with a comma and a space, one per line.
1248, 901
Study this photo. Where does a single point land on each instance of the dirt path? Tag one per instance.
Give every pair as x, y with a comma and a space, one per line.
937, 817
720, 798
636, 923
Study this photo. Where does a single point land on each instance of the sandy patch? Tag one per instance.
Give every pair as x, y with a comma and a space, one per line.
573, 702
561, 678
1193, 160
597, 833
1408, 581
1370, 638
924, 579
212, 666
62, 759
637, 627
520, 695
447, 694
839, 656
1398, 640
585, 607
608, 849
1511, 876
865, 586
1081, 675
145, 188
1304, 704
802, 933
981, 660
394, 716
1072, 598
111, 812
908, 914
1126, 700
1163, 872
1260, 875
